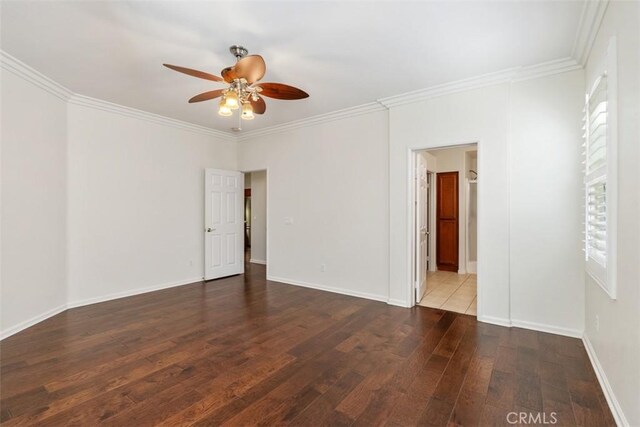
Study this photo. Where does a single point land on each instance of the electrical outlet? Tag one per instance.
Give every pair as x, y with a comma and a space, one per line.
323, 267
191, 263
597, 323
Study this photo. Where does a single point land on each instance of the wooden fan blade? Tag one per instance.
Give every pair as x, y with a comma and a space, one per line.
194, 73
259, 106
251, 68
207, 95
282, 91
229, 74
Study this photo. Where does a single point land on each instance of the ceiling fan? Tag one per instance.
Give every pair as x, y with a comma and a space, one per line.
243, 90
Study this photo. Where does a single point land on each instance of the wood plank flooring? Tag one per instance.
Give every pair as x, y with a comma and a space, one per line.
244, 351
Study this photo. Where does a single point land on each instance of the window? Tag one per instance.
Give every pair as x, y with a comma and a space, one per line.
600, 177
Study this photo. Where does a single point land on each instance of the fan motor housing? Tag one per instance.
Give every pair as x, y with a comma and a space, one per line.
238, 51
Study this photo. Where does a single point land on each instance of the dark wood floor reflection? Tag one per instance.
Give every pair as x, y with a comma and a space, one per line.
244, 351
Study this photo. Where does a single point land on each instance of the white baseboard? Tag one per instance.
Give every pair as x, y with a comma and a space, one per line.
472, 267
495, 320
613, 403
374, 297
558, 330
328, 288
514, 323
80, 303
258, 261
398, 303
129, 293
30, 322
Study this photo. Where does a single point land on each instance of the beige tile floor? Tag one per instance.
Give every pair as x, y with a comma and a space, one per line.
451, 291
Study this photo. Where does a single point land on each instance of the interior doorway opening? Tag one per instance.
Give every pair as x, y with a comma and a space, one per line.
255, 216
444, 218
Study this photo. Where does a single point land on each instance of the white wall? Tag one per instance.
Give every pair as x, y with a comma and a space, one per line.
136, 202
616, 343
95, 204
258, 216
34, 200
479, 115
332, 180
486, 116
545, 202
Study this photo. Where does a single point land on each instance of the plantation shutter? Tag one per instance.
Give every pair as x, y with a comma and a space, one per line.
595, 161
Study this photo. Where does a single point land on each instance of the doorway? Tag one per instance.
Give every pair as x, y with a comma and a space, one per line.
444, 190
256, 217
247, 214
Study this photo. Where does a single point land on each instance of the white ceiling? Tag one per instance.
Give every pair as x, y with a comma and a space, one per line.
343, 54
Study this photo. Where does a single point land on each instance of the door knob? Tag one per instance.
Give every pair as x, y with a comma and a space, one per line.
209, 230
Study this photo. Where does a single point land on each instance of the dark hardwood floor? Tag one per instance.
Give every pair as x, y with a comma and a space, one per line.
244, 351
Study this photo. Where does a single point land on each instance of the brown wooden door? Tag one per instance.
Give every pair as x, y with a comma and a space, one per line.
447, 221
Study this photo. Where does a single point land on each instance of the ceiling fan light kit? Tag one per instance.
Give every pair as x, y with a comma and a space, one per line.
247, 112
231, 99
243, 93
223, 108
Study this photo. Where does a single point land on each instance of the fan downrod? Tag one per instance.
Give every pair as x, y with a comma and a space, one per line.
238, 51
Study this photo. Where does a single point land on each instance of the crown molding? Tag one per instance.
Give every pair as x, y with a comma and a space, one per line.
592, 13
544, 69
515, 74
314, 120
20, 69
510, 75
447, 88
99, 104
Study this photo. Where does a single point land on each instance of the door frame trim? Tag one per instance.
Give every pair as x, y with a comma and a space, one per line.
410, 182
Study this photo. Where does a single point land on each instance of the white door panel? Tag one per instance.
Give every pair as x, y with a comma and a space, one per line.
422, 230
224, 223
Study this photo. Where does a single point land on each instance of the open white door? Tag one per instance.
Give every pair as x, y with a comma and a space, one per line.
223, 223
422, 230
